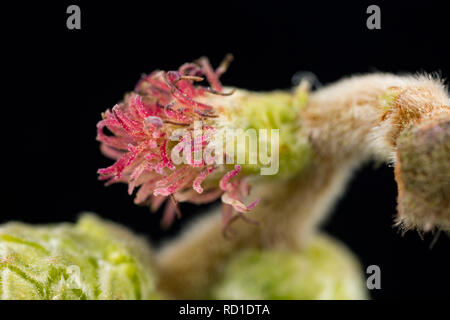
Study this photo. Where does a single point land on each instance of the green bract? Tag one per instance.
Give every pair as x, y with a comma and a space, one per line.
276, 110
324, 270
92, 259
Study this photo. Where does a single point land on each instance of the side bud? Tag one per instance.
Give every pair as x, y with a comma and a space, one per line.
423, 176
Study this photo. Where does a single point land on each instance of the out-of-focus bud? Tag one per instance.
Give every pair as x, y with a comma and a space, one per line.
324, 270
92, 259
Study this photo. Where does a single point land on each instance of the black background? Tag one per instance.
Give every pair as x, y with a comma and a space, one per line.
65, 78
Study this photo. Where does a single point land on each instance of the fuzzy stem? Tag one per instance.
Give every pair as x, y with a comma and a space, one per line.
347, 123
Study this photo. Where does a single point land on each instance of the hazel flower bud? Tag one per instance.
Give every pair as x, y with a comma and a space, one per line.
324, 270
143, 128
92, 259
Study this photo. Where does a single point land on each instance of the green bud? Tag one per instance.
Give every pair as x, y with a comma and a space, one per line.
325, 269
92, 259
